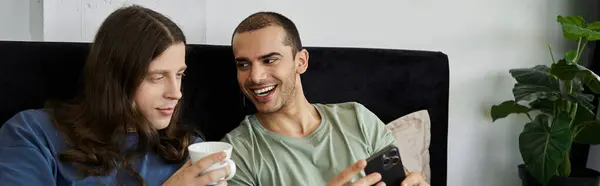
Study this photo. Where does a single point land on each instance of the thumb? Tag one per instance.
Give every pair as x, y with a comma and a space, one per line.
187, 164
346, 175
411, 179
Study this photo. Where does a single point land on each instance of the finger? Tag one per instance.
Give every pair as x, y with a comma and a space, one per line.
371, 179
347, 174
213, 176
185, 166
408, 182
411, 179
380, 184
222, 183
207, 161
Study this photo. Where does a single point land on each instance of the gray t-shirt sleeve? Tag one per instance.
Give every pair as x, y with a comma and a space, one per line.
243, 175
377, 133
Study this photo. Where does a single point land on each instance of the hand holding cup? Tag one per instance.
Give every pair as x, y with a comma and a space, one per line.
209, 164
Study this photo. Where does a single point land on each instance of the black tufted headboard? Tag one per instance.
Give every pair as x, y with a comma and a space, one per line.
391, 83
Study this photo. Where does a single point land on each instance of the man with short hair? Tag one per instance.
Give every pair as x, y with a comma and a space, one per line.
290, 141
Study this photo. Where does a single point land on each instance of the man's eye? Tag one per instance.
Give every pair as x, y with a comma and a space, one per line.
180, 75
156, 78
269, 60
242, 65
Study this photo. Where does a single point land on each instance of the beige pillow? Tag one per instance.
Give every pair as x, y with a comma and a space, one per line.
412, 133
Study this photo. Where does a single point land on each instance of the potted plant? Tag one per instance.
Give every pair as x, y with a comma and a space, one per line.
559, 111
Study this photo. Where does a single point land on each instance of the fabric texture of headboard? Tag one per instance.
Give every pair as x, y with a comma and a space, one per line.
389, 82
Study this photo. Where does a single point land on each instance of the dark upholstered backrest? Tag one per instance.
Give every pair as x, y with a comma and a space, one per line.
391, 83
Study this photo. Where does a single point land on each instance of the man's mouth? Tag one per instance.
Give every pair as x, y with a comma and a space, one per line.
264, 91
167, 111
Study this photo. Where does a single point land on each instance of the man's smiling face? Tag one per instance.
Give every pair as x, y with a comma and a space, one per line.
266, 68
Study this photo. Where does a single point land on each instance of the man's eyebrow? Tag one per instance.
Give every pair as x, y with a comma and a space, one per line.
165, 71
245, 59
269, 55
241, 59
157, 72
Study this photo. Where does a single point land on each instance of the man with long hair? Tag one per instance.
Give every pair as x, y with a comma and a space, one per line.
290, 141
122, 129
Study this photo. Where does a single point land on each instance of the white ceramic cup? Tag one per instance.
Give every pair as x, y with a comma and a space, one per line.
203, 149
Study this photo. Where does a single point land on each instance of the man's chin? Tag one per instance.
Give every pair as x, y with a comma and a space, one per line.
267, 108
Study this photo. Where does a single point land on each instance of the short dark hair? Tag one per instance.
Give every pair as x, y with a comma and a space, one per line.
264, 19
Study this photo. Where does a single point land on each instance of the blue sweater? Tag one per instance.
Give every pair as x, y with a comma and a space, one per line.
29, 155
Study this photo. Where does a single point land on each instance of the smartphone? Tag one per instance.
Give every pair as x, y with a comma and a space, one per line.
388, 163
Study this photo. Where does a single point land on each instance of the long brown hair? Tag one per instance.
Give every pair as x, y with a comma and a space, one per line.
96, 122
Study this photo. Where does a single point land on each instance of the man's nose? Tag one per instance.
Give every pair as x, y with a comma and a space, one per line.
257, 74
174, 91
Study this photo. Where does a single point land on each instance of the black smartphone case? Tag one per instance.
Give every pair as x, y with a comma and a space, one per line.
388, 163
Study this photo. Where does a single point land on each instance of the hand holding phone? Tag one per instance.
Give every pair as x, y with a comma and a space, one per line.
346, 175
383, 167
388, 163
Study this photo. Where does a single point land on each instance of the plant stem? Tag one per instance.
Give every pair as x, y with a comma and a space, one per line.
568, 90
573, 114
571, 107
577, 131
580, 50
554, 108
565, 166
551, 55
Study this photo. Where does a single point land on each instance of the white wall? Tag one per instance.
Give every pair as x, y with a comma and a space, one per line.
594, 158
78, 20
20, 20
483, 40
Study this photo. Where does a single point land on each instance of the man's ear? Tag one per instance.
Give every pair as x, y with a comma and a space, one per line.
302, 61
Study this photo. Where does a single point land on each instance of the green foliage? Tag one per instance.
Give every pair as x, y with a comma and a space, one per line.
564, 113
543, 144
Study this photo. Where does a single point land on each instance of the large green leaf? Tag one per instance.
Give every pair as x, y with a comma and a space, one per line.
581, 116
569, 23
527, 92
590, 79
567, 71
586, 127
506, 108
573, 28
543, 145
570, 55
584, 100
588, 132
572, 20
577, 85
544, 105
537, 75
564, 70
595, 26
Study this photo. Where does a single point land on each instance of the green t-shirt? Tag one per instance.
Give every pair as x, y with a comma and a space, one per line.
348, 132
